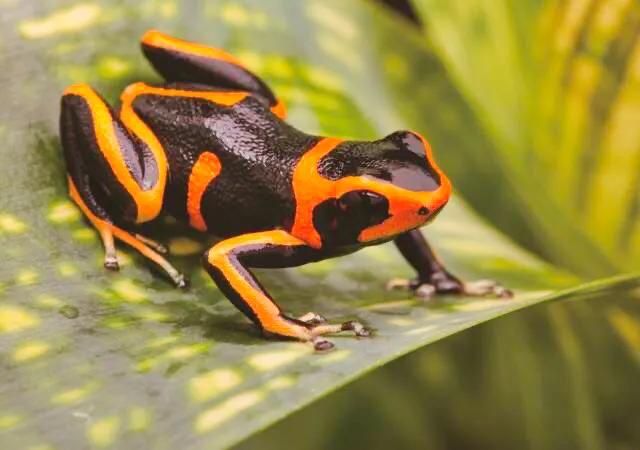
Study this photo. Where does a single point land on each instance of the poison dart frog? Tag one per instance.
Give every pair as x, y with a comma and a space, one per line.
210, 146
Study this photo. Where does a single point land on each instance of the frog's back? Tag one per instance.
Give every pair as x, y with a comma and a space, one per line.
230, 159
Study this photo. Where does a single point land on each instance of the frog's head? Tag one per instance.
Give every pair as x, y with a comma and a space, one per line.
386, 187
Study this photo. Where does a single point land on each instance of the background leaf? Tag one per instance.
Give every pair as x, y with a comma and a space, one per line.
557, 88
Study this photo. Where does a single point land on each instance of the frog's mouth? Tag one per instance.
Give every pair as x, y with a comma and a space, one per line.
435, 213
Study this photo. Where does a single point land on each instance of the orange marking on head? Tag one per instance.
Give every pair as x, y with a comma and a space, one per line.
149, 202
154, 38
206, 168
310, 189
401, 205
262, 306
280, 110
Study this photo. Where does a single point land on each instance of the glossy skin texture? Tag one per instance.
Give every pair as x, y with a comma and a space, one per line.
211, 147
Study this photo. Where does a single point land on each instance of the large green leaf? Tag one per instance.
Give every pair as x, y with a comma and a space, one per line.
557, 88
96, 359
556, 376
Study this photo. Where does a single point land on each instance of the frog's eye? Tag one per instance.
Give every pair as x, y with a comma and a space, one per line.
367, 207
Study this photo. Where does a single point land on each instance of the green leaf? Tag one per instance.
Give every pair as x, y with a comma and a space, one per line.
123, 360
556, 86
550, 377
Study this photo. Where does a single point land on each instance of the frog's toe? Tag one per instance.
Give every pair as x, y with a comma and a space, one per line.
155, 245
486, 288
322, 345
181, 281
111, 262
318, 331
425, 291
396, 284
422, 290
357, 328
312, 318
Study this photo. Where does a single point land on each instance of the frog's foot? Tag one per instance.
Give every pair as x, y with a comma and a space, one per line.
110, 256
108, 231
445, 283
321, 344
312, 328
144, 246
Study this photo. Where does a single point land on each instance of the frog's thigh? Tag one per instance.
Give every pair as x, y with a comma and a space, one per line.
113, 170
184, 61
122, 157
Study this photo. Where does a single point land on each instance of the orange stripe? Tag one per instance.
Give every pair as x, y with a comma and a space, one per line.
206, 168
262, 306
149, 202
310, 189
149, 208
154, 38
225, 98
280, 110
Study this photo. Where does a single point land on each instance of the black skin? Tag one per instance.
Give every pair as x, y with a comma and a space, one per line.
415, 249
253, 195
249, 141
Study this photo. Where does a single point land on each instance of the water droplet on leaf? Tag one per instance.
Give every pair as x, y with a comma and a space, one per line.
70, 312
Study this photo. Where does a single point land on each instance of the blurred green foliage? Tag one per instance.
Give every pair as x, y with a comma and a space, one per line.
556, 86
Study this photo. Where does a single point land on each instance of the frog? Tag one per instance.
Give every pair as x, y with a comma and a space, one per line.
210, 146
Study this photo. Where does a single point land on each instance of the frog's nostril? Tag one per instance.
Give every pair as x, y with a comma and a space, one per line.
423, 211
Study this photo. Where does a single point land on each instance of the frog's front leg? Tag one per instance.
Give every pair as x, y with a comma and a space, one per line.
228, 263
433, 277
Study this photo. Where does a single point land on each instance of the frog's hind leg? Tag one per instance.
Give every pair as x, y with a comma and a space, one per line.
182, 61
115, 170
108, 231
